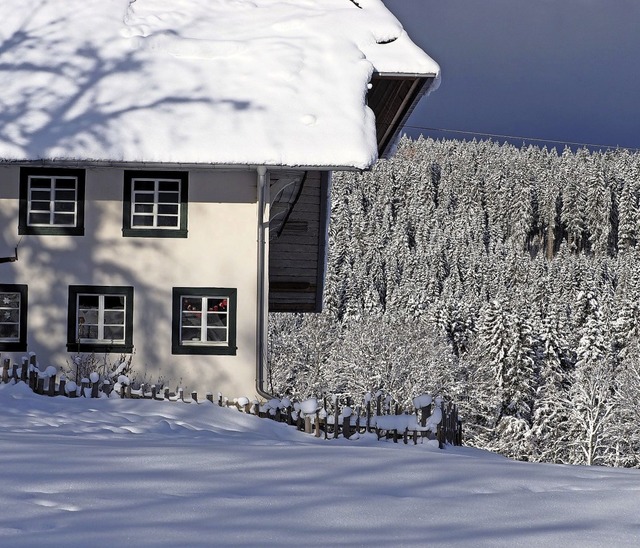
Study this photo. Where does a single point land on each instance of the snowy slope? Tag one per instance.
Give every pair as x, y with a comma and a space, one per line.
276, 82
113, 472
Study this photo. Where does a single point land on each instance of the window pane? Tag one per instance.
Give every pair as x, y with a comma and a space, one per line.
142, 220
40, 205
168, 198
168, 209
68, 195
65, 184
114, 302
216, 320
139, 184
190, 334
143, 197
87, 331
40, 182
167, 221
44, 195
88, 301
65, 219
165, 186
39, 219
9, 300
143, 208
216, 335
9, 332
114, 317
215, 304
9, 315
64, 207
191, 303
115, 333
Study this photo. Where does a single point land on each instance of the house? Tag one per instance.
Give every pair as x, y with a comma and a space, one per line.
165, 171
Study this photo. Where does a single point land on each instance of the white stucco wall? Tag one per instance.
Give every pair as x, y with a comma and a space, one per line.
220, 251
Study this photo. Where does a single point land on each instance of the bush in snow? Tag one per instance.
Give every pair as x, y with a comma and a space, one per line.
87, 365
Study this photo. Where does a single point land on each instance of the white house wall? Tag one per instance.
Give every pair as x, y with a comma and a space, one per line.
220, 251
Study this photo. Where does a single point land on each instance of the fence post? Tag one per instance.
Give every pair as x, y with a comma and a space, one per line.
52, 386
33, 363
25, 373
6, 364
346, 427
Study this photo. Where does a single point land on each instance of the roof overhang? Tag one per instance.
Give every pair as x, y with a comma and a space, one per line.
392, 98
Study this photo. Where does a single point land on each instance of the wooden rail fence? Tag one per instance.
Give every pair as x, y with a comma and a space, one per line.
330, 417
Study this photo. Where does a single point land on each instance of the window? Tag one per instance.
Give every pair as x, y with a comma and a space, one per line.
51, 201
204, 320
13, 317
100, 319
155, 204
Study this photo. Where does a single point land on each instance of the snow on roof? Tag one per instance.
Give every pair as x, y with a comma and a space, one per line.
252, 82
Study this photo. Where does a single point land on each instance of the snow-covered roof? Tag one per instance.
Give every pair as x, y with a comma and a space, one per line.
255, 82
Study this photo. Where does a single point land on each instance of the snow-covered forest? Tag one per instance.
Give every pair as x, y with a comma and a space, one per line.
506, 279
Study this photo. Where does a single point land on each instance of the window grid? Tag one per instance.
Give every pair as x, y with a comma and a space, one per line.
204, 320
52, 201
155, 203
101, 318
10, 316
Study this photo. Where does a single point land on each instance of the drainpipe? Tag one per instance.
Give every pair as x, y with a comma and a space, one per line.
263, 281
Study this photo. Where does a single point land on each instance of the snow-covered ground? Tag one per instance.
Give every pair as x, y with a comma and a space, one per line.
114, 472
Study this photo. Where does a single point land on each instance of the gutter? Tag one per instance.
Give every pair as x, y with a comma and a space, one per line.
263, 282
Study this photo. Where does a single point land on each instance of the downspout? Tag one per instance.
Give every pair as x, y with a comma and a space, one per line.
263, 281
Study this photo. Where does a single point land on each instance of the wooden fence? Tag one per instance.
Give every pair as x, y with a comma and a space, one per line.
329, 418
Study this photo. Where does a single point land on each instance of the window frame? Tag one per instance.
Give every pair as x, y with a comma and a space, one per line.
24, 227
203, 348
19, 345
73, 342
181, 230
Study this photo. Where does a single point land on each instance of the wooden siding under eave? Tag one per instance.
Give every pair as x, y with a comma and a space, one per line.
392, 99
297, 256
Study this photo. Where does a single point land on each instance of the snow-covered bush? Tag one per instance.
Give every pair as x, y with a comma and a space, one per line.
87, 365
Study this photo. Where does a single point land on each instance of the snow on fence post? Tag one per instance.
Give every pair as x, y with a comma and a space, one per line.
166, 393
61, 385
14, 372
209, 396
194, 397
95, 380
6, 364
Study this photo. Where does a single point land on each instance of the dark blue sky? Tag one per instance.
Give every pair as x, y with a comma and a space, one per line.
566, 70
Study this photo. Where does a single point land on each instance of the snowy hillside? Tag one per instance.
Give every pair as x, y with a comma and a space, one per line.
113, 472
